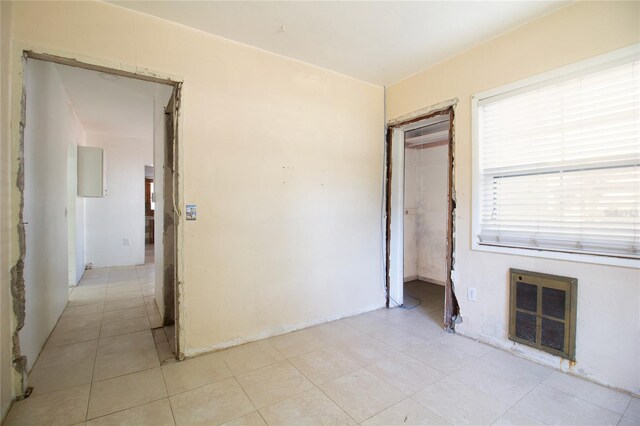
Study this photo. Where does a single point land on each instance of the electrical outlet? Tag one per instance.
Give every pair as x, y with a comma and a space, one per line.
126, 242
471, 294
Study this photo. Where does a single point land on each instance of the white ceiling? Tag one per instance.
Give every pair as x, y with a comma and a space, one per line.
380, 42
107, 104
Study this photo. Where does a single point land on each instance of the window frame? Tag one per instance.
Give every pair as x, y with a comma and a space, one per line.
601, 62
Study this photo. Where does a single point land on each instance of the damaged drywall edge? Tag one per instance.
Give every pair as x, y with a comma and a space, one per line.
100, 65
441, 106
17, 289
179, 228
454, 315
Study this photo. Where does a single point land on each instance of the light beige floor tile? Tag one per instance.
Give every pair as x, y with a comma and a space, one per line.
125, 354
393, 315
361, 394
155, 320
122, 314
515, 417
124, 289
396, 337
308, 408
465, 344
334, 333
633, 409
125, 285
628, 421
85, 300
159, 335
273, 383
116, 305
552, 406
590, 392
63, 407
194, 373
251, 419
131, 390
91, 312
504, 384
62, 367
296, 343
86, 296
156, 413
74, 330
407, 412
365, 323
421, 324
460, 404
440, 356
165, 353
365, 350
212, 404
324, 365
511, 362
124, 326
111, 297
251, 356
405, 373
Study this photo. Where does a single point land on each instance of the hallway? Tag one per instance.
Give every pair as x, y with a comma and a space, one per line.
104, 364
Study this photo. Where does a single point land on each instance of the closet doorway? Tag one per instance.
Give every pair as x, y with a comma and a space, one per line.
420, 213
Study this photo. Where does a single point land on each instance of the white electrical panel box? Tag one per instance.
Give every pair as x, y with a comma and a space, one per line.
91, 172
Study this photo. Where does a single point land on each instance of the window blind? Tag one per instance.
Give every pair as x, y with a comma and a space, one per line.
560, 165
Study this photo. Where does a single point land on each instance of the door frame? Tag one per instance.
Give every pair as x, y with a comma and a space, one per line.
17, 241
394, 208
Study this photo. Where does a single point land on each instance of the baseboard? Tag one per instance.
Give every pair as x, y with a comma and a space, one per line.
425, 279
190, 352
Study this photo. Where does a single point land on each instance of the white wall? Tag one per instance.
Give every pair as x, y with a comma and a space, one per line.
120, 215
608, 325
159, 104
51, 128
75, 217
425, 220
79, 232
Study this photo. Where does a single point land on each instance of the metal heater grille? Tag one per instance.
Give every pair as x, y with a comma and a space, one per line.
543, 312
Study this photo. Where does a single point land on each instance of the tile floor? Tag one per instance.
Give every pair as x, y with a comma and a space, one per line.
104, 365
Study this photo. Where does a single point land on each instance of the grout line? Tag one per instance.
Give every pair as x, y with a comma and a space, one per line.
166, 388
128, 408
95, 360
317, 386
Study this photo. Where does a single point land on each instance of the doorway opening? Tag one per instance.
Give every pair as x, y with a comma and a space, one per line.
95, 154
420, 211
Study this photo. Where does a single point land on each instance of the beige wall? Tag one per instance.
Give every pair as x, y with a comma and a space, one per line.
608, 328
283, 159
6, 394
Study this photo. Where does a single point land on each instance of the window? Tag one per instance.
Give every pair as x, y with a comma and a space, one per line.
557, 161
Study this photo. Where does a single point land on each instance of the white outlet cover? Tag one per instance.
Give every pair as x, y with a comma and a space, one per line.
125, 242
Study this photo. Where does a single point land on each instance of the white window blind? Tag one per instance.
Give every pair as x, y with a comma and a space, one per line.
559, 165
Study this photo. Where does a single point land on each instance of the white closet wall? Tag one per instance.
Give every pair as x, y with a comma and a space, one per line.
425, 213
